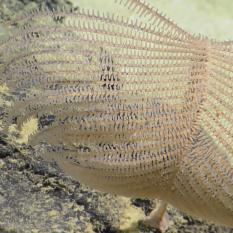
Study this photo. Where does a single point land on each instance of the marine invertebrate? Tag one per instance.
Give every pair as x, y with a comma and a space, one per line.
133, 107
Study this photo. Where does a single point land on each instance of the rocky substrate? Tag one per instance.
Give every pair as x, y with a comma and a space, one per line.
35, 196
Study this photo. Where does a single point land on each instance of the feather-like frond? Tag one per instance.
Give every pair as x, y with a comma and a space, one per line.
124, 105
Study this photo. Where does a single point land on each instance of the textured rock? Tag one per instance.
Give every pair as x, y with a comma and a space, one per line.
35, 196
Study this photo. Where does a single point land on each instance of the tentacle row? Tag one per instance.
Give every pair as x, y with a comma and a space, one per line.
118, 103
205, 177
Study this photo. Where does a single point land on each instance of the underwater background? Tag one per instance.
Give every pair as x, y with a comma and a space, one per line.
213, 18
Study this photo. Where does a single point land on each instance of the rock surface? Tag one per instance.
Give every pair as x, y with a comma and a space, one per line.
35, 196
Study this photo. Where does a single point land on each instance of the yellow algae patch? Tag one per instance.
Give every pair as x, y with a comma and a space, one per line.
35, 231
4, 88
89, 228
128, 221
13, 128
28, 128
1, 164
53, 213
